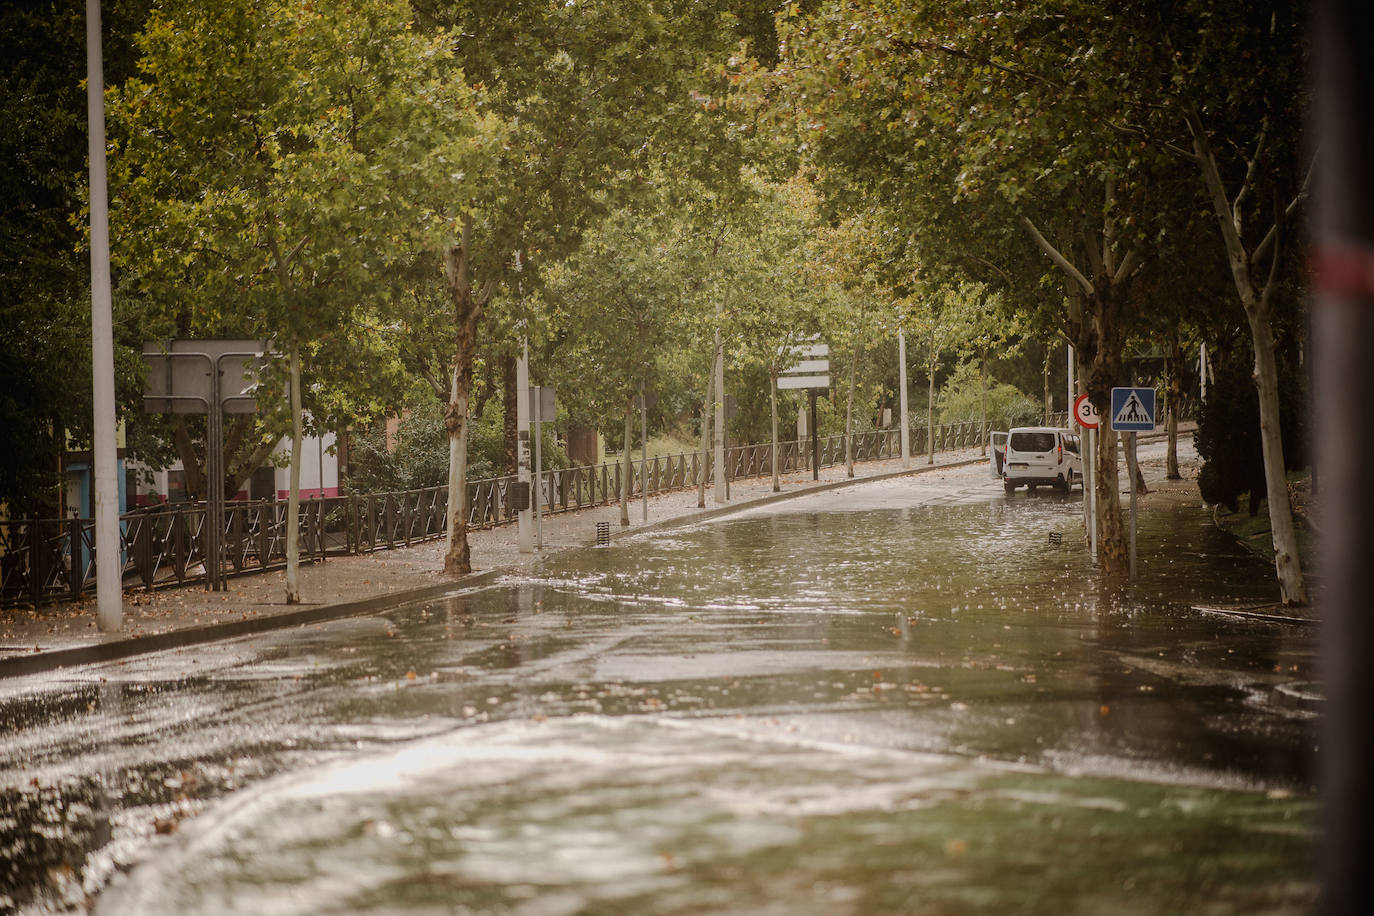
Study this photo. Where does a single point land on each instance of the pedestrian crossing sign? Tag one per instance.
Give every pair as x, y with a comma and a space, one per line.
1133, 410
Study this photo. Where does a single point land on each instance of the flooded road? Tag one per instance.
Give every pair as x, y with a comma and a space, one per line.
905, 697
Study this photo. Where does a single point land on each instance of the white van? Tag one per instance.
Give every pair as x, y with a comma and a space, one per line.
1035, 455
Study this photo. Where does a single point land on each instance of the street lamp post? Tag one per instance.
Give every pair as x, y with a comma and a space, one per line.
104, 451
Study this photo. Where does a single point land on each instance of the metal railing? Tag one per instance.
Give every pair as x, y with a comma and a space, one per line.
48, 560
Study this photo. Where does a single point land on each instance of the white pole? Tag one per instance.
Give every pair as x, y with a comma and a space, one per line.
538, 492
109, 561
644, 451
719, 450
525, 522
1131, 465
901, 386
1092, 489
1203, 369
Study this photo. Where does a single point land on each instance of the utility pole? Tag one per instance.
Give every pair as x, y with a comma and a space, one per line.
104, 446
719, 451
525, 521
905, 424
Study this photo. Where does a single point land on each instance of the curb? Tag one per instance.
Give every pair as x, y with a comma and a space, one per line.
116, 650
706, 515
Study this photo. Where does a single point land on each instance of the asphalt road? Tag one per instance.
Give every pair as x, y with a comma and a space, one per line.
906, 697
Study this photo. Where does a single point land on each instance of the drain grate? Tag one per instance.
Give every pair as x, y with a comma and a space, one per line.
603, 534
1056, 538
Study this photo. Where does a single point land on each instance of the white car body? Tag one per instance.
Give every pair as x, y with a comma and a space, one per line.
1038, 455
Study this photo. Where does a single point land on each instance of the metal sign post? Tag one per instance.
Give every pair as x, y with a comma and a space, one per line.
810, 370
905, 425
187, 376
543, 407
1085, 414
1133, 411
524, 534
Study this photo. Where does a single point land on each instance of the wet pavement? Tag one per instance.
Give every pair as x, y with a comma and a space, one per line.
906, 697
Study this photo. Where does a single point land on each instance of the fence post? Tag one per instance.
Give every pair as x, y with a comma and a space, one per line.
143, 549
179, 539
236, 534
75, 568
389, 518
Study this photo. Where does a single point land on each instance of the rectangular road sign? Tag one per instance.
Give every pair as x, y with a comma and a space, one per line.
810, 350
1133, 410
811, 368
786, 382
543, 405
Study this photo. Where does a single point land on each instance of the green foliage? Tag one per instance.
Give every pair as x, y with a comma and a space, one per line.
1228, 432
44, 266
418, 453
276, 166
961, 400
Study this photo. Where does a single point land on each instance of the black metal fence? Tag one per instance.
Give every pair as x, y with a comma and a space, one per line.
48, 560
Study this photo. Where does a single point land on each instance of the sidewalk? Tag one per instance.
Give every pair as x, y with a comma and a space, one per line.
56, 635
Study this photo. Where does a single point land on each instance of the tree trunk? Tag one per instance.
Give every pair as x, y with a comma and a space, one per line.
773, 409
983, 403
707, 409
190, 460
930, 404
467, 315
293, 493
1255, 301
1094, 328
458, 556
627, 478
1287, 564
1099, 349
849, 413
1046, 374
510, 421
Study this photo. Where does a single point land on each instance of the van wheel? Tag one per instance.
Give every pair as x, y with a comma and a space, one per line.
1063, 485
1009, 487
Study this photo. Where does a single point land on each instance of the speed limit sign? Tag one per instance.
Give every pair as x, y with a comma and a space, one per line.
1085, 413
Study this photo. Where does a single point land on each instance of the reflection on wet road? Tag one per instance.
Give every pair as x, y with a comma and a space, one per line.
902, 697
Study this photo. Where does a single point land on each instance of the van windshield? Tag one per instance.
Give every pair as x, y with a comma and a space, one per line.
1032, 442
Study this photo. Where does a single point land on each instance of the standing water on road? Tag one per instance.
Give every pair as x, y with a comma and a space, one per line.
906, 697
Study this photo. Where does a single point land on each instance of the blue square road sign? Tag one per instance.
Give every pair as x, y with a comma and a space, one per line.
1133, 410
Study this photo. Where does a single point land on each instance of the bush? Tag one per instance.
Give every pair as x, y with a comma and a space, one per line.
959, 401
419, 454
1228, 433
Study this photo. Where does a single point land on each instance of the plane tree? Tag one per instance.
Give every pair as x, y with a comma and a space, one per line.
587, 98
273, 163
990, 163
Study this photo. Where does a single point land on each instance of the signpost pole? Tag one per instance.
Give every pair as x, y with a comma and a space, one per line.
214, 484
1130, 470
644, 452
525, 520
1092, 491
538, 490
719, 449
